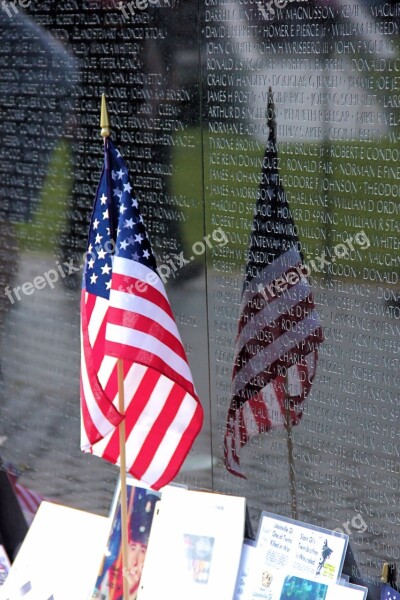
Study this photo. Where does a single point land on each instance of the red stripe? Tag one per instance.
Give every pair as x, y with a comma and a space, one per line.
89, 304
111, 387
185, 443
138, 287
148, 359
98, 346
135, 321
159, 429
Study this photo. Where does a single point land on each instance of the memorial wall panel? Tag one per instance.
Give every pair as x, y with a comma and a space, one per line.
332, 71
194, 92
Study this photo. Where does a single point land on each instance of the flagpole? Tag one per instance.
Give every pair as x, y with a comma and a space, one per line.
292, 479
105, 133
124, 500
289, 440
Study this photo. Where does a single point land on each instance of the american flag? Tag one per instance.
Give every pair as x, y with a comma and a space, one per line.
125, 314
279, 329
28, 499
388, 593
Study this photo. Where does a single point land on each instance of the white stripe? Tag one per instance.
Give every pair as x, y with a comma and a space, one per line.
85, 444
106, 368
144, 307
149, 415
267, 356
237, 433
272, 311
144, 341
274, 409
295, 386
131, 268
249, 420
96, 320
171, 440
100, 422
132, 381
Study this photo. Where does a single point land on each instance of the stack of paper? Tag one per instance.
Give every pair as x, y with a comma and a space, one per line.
60, 553
194, 547
292, 560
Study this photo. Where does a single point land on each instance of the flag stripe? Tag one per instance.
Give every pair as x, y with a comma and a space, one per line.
269, 273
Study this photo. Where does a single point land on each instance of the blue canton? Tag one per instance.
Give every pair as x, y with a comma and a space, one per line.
388, 593
117, 226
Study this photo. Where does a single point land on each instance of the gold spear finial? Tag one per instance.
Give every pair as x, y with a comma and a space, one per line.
104, 118
385, 572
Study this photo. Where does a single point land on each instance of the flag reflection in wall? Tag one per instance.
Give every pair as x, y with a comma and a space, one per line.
279, 328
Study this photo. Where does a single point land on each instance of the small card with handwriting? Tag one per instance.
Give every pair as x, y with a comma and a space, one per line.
291, 559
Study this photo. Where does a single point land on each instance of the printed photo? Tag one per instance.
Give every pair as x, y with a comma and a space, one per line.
296, 588
109, 585
198, 552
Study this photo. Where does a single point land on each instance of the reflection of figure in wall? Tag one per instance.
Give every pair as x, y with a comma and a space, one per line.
326, 552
